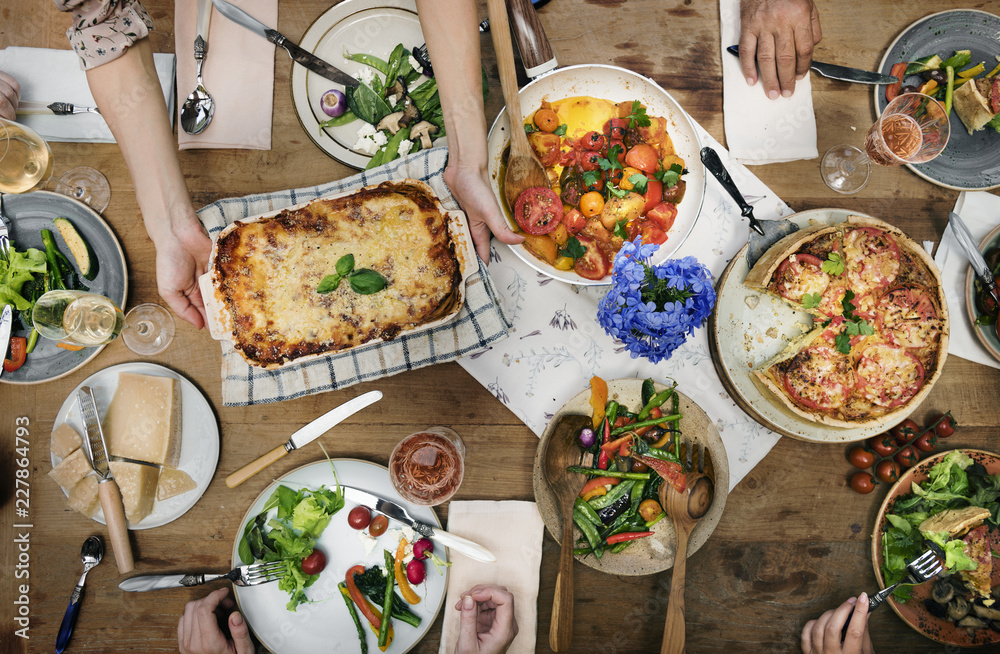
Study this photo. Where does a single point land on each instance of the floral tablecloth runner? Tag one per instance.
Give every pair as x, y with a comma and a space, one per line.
555, 344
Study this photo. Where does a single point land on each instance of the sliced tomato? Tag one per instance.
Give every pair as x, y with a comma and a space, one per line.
655, 131
574, 221
652, 235
889, 376
663, 215
908, 318
589, 160
538, 210
995, 95
18, 353
798, 275
820, 378
671, 472
872, 257
593, 264
546, 146
644, 157
654, 194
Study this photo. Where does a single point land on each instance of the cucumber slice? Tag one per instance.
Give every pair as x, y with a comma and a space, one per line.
78, 247
923, 64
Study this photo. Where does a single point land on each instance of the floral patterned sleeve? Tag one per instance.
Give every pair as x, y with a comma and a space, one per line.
103, 29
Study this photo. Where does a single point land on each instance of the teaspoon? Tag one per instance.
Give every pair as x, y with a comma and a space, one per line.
91, 555
198, 109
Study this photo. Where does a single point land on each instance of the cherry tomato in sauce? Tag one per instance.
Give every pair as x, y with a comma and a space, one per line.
649, 509
593, 141
591, 204
574, 221
546, 146
590, 161
359, 517
378, 526
662, 215
861, 458
926, 442
652, 235
546, 120
882, 444
618, 148
905, 431
538, 210
945, 426
887, 471
615, 128
675, 193
644, 157
863, 483
653, 195
314, 563
907, 457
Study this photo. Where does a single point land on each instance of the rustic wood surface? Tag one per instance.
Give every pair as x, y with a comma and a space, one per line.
794, 540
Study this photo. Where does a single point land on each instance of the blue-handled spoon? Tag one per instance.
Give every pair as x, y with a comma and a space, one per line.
91, 555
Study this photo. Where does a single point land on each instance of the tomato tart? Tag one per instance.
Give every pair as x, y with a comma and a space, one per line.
880, 322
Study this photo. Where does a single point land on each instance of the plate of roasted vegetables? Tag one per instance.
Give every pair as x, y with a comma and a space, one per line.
637, 429
57, 242
949, 502
984, 311
331, 593
951, 56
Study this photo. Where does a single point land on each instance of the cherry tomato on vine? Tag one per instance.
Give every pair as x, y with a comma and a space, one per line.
907, 457
887, 471
905, 431
861, 458
863, 483
882, 444
945, 426
926, 442
378, 526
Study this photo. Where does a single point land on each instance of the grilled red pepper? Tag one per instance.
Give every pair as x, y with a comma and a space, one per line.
18, 353
671, 472
628, 535
898, 71
371, 614
604, 458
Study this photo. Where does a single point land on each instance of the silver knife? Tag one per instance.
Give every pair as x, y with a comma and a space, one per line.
298, 55
5, 319
107, 488
964, 237
842, 73
396, 512
304, 436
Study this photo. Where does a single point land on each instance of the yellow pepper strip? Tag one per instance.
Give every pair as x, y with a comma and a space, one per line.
598, 399
928, 87
972, 72
663, 440
994, 71
374, 629
594, 492
404, 583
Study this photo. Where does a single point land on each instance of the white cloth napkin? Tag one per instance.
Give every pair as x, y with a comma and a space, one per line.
238, 73
556, 346
512, 531
980, 211
760, 130
48, 76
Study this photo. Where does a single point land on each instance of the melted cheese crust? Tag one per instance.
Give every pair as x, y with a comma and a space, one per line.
267, 273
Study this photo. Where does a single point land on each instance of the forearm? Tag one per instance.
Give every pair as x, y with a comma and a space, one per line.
128, 93
451, 30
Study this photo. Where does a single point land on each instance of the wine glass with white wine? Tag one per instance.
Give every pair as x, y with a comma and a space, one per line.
913, 129
26, 165
89, 320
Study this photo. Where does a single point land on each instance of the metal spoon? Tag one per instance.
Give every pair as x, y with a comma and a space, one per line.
199, 107
91, 555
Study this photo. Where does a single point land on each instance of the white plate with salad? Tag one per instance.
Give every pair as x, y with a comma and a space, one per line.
360, 37
323, 623
29, 214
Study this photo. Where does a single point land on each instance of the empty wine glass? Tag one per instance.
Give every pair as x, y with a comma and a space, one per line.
26, 165
913, 129
88, 320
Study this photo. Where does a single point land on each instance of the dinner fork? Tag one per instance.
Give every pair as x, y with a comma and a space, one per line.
244, 575
923, 568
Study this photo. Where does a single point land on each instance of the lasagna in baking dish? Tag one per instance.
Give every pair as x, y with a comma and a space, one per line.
265, 273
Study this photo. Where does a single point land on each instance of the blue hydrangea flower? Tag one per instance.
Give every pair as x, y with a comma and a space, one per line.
652, 310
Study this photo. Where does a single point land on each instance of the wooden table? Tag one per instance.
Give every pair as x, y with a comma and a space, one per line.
794, 540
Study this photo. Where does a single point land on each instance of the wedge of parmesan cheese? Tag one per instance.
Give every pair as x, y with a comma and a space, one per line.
71, 470
173, 482
143, 422
137, 482
83, 497
64, 440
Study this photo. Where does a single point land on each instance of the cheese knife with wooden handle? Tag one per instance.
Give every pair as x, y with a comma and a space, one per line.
107, 489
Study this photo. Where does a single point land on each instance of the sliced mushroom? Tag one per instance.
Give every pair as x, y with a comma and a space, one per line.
391, 122
986, 612
971, 622
423, 130
397, 91
958, 608
411, 115
943, 591
935, 609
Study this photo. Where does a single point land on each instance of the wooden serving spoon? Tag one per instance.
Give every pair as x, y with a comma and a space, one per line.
685, 509
562, 451
524, 170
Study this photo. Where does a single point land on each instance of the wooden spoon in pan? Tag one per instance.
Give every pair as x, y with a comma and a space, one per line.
524, 170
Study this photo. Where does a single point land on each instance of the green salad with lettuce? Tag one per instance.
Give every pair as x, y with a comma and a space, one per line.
955, 482
291, 535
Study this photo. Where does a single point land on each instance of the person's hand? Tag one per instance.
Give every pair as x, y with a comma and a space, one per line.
488, 625
181, 258
822, 635
777, 36
198, 630
471, 188
10, 93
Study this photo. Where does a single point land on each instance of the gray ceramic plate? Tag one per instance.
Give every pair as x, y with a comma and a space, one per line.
656, 553
987, 333
969, 162
30, 214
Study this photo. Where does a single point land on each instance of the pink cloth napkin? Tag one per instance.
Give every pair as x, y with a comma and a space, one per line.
238, 73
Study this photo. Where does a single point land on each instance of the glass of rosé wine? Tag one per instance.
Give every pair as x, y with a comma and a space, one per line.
427, 467
913, 129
